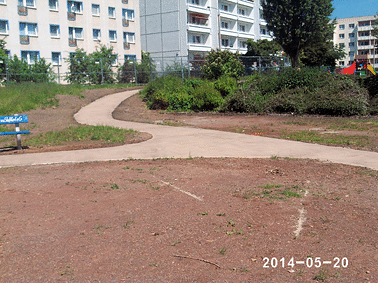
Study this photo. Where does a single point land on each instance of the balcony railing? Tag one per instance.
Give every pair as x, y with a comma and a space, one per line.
22, 10
71, 16
24, 39
72, 42
125, 22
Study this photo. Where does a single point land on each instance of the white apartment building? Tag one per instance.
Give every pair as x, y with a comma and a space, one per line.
53, 29
356, 36
192, 28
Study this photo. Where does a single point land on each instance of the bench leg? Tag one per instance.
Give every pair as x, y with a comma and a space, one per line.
18, 137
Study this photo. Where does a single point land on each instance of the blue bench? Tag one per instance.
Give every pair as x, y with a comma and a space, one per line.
15, 119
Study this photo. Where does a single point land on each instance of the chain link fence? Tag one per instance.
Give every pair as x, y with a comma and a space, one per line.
110, 70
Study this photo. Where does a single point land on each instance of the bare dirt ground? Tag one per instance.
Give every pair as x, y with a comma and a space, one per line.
187, 220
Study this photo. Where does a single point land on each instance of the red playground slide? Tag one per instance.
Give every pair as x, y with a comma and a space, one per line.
350, 70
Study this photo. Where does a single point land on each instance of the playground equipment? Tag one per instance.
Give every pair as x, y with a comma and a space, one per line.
353, 68
371, 69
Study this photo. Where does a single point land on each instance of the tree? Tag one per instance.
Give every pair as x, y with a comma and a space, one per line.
146, 69
262, 47
100, 65
297, 23
3, 58
78, 65
126, 72
219, 63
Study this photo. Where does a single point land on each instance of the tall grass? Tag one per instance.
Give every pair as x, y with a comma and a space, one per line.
21, 97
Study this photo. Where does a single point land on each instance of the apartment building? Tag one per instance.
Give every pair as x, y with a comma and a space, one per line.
53, 29
356, 36
191, 28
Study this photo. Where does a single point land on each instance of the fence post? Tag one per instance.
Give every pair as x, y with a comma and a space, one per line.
58, 73
102, 72
135, 71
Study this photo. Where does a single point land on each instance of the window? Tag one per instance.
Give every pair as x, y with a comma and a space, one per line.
262, 31
196, 39
96, 34
242, 44
129, 37
129, 57
114, 59
224, 25
75, 33
95, 10
351, 53
241, 28
113, 35
111, 12
30, 56
241, 12
351, 35
26, 3
196, 2
54, 31
341, 63
224, 7
351, 25
75, 6
364, 33
341, 27
28, 29
351, 44
53, 5
342, 45
56, 58
363, 43
4, 27
2, 2
341, 36
225, 42
128, 14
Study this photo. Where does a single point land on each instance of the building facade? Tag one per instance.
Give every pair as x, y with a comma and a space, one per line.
192, 28
52, 29
356, 36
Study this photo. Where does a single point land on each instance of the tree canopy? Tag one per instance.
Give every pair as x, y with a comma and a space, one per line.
297, 23
262, 47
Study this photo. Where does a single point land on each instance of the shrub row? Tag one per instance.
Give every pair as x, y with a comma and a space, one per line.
309, 91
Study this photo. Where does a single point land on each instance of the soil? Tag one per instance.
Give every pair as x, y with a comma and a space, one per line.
185, 220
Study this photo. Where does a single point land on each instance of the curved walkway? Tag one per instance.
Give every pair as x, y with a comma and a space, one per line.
184, 142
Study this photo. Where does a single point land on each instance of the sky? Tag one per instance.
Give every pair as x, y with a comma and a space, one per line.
354, 8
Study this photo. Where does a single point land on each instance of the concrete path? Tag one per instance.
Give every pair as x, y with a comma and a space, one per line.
184, 142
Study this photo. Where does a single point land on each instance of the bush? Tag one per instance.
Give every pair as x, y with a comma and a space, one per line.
206, 98
226, 85
220, 63
371, 84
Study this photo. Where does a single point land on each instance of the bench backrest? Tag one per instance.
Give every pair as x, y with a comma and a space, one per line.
14, 119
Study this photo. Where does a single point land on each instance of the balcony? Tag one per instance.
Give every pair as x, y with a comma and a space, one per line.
24, 39
22, 10
248, 3
125, 1
228, 15
361, 57
199, 47
71, 16
364, 28
198, 9
72, 42
125, 22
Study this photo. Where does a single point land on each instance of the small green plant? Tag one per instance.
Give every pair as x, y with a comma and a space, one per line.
222, 251
321, 276
114, 186
231, 223
221, 214
203, 213
127, 224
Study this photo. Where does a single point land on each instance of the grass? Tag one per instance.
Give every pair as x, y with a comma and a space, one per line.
273, 191
21, 97
104, 134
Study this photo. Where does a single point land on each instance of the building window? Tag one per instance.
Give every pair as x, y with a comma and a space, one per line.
195, 2
95, 10
351, 35
53, 5
241, 12
26, 3
225, 42
241, 28
30, 56
75, 33
28, 29
128, 14
196, 39
341, 63
363, 43
75, 6
129, 57
54, 31
341, 27
341, 45
114, 59
56, 58
364, 33
2, 2
351, 53
129, 37
242, 44
224, 8
341, 36
4, 27
96, 34
224, 25
112, 35
112, 12
263, 31
351, 25
351, 44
